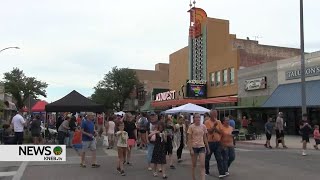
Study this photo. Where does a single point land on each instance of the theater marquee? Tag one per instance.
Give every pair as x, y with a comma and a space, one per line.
166, 96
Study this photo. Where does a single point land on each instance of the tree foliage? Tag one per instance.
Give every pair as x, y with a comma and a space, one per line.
115, 88
21, 86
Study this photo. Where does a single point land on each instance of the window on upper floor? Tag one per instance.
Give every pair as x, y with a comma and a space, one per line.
218, 78
212, 78
231, 75
225, 77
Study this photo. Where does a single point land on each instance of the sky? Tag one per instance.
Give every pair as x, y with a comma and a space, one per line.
72, 44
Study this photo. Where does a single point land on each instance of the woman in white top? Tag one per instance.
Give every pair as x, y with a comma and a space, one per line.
122, 145
110, 128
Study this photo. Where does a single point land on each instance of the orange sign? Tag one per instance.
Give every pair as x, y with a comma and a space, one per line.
197, 17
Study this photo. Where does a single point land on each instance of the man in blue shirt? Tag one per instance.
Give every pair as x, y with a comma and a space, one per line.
89, 140
232, 123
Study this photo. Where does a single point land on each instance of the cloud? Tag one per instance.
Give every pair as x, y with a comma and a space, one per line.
72, 44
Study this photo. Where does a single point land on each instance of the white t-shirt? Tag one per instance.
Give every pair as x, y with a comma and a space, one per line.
111, 127
18, 123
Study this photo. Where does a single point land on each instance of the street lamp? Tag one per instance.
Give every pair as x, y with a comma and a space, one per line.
303, 75
9, 48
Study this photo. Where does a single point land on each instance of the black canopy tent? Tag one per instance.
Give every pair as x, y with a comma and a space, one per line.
74, 102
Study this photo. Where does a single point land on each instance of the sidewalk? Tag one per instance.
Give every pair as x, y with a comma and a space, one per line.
291, 141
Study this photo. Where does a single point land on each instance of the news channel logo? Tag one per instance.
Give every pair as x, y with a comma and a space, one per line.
33, 153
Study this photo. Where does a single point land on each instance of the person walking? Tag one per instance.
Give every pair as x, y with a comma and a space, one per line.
305, 130
35, 128
73, 126
18, 124
110, 128
170, 129
268, 127
198, 145
181, 136
228, 153
131, 129
152, 126
214, 136
159, 151
63, 130
316, 136
89, 141
122, 146
279, 127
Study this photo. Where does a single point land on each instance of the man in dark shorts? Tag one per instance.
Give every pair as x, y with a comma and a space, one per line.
35, 128
268, 130
305, 130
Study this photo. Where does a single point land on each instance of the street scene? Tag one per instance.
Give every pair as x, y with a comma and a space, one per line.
192, 89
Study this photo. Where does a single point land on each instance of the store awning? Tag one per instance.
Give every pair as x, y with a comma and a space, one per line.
194, 101
289, 95
10, 106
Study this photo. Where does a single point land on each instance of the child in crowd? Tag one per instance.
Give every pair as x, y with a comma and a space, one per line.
316, 136
159, 152
122, 144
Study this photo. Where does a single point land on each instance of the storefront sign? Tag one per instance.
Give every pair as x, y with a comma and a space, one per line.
255, 84
196, 88
165, 96
296, 74
196, 82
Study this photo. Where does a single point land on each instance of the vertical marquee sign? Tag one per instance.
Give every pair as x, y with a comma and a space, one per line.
197, 44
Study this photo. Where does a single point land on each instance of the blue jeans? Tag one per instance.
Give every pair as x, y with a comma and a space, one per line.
228, 156
215, 148
150, 152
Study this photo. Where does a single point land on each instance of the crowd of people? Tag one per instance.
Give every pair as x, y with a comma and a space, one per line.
159, 134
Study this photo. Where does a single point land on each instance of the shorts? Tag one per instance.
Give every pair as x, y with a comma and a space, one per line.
305, 138
279, 134
169, 148
142, 131
317, 141
122, 152
268, 136
35, 135
199, 150
131, 142
86, 145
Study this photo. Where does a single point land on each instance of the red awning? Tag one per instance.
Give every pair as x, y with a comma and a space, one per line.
194, 101
39, 106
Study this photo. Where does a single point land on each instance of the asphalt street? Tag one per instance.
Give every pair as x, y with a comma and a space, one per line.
252, 163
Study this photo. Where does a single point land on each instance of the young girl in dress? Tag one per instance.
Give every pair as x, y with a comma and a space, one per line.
122, 144
159, 152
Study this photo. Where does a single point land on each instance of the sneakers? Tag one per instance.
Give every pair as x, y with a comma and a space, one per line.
149, 169
172, 167
122, 173
155, 174
227, 173
179, 160
304, 153
119, 170
222, 176
316, 147
164, 177
95, 165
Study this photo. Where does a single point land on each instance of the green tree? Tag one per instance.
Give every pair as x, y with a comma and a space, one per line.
115, 88
21, 86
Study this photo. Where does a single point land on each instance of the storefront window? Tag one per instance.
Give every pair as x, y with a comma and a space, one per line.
225, 76
218, 78
231, 75
212, 79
